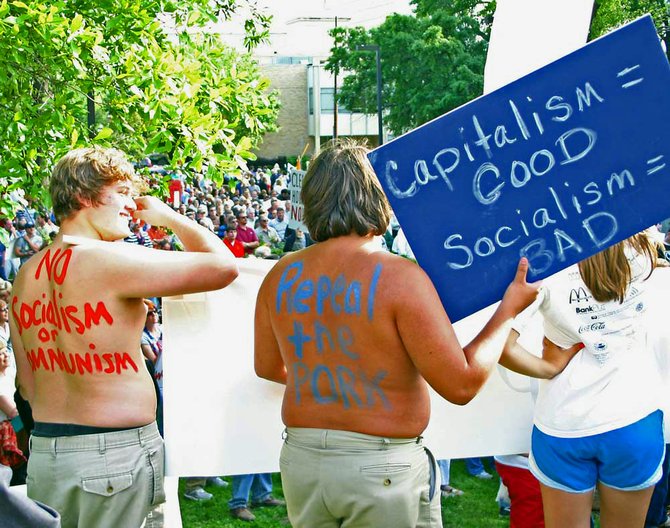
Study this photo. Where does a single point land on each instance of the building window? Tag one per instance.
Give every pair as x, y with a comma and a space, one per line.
327, 102
291, 60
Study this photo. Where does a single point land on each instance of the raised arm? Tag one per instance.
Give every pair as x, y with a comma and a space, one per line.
456, 373
553, 361
138, 272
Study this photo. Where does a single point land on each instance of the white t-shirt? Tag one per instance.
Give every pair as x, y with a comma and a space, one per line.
613, 381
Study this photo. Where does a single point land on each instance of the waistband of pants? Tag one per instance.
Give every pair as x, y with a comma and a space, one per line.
53, 430
95, 442
336, 439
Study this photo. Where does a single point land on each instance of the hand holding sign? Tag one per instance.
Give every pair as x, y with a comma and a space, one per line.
520, 294
554, 167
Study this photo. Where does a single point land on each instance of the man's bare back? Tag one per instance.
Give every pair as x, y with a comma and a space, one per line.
356, 334
334, 309
81, 341
78, 314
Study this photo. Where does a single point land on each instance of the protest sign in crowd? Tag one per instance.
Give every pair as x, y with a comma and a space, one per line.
355, 334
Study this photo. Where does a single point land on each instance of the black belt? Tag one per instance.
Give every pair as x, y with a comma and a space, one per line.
54, 430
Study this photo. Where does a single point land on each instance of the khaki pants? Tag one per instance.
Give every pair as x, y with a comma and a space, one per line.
338, 478
108, 480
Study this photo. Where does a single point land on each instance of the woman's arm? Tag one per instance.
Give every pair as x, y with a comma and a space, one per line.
8, 407
148, 352
554, 359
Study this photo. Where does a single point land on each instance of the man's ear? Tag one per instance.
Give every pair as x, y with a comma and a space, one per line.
83, 201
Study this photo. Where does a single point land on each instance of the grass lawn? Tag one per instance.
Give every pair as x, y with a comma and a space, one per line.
477, 508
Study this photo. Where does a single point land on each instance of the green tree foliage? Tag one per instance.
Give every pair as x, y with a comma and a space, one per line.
432, 61
159, 81
610, 14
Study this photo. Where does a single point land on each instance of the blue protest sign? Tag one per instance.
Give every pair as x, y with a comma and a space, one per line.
555, 166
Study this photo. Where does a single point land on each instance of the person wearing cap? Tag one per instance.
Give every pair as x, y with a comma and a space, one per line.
96, 454
266, 234
245, 234
202, 218
29, 244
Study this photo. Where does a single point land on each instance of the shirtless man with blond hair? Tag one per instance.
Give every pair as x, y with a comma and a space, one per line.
78, 315
355, 333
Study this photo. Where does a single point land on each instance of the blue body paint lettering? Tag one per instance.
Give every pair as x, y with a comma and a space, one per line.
319, 332
346, 386
338, 288
298, 380
285, 285
323, 287
315, 385
298, 338
353, 291
372, 387
373, 288
304, 291
345, 338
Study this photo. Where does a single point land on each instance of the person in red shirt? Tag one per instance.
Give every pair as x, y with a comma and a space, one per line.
230, 240
245, 234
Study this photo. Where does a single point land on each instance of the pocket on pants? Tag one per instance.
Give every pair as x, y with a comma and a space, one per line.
386, 469
156, 463
108, 485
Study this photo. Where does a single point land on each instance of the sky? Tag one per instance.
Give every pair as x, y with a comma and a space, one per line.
291, 35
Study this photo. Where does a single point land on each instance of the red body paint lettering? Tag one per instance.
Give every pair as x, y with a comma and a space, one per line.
65, 318
86, 363
56, 266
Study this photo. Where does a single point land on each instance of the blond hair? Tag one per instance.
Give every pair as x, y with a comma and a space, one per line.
608, 274
82, 174
342, 194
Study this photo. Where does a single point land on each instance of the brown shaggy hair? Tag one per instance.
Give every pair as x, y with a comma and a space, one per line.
82, 174
342, 194
608, 274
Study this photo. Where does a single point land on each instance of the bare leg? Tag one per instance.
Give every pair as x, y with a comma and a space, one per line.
623, 509
562, 509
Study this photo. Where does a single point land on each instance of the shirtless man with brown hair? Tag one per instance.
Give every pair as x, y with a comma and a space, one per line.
355, 333
78, 315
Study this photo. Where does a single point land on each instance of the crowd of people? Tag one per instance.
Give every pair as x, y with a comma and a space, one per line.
379, 473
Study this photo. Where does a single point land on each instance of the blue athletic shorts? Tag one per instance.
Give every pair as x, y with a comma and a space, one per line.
627, 459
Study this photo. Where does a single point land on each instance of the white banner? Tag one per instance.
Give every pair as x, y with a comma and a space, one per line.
220, 419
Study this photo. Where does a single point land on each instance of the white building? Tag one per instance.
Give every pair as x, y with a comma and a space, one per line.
292, 60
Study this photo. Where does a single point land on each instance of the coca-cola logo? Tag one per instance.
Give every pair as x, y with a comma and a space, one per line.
593, 327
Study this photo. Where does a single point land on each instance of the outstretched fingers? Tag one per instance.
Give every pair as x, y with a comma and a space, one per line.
522, 275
